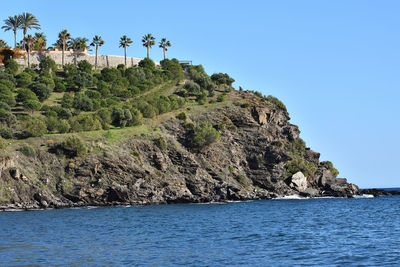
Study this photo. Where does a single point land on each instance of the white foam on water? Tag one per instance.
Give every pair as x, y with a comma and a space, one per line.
295, 196
364, 196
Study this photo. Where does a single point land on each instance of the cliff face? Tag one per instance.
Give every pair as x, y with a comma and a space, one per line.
251, 161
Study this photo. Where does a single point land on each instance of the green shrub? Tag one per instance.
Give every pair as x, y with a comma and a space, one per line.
23, 79
299, 164
31, 72
276, 102
3, 143
110, 74
147, 63
34, 128
4, 106
120, 117
160, 143
48, 66
181, 116
6, 132
221, 97
26, 94
204, 135
244, 105
69, 69
32, 105
41, 90
6, 94
330, 166
80, 80
27, 150
67, 101
192, 87
6, 117
47, 81
222, 78
59, 85
82, 102
85, 66
73, 147
11, 66
85, 122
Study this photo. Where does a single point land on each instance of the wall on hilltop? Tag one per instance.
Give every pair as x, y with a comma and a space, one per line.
74, 57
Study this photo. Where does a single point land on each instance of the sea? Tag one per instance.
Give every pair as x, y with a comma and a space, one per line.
362, 231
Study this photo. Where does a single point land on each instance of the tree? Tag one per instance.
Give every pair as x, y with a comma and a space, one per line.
97, 42
40, 41
79, 44
204, 135
34, 128
164, 44
64, 36
28, 21
11, 66
29, 40
148, 41
125, 42
3, 44
12, 24
32, 105
41, 90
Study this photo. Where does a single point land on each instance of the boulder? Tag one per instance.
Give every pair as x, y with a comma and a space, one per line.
298, 182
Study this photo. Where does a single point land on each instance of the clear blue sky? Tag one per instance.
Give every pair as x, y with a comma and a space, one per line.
335, 64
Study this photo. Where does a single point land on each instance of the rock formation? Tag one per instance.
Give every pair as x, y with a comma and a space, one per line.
254, 159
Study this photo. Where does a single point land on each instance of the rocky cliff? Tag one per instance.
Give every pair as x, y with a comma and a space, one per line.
259, 156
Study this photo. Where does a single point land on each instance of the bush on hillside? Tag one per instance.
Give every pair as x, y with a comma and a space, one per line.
222, 78
11, 66
34, 128
85, 66
41, 90
330, 166
23, 79
181, 116
32, 105
276, 102
204, 135
72, 147
25, 94
147, 63
48, 66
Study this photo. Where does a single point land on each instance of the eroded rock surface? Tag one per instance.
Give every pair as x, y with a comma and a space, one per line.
249, 162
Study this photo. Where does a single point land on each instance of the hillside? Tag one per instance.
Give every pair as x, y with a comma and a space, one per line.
76, 136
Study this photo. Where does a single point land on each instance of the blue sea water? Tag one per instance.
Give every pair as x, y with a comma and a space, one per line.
328, 232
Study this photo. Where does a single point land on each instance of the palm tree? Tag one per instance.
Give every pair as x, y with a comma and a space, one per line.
12, 23
97, 42
125, 42
40, 41
148, 41
79, 44
29, 40
164, 44
3, 44
64, 36
28, 21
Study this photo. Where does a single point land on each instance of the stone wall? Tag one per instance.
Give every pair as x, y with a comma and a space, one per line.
74, 57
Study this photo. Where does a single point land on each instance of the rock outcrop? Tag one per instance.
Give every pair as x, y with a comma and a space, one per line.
254, 159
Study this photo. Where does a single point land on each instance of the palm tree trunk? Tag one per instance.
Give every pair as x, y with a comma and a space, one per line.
95, 61
15, 39
63, 48
125, 54
164, 52
148, 56
29, 65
